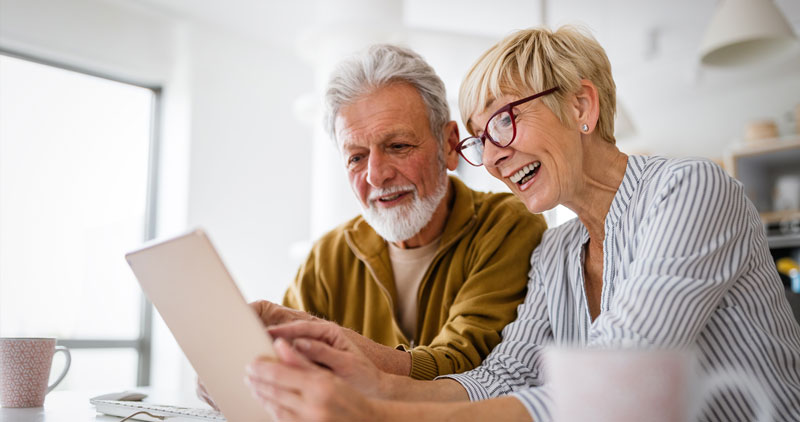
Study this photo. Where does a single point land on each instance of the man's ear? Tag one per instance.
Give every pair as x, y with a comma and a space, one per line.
586, 106
450, 134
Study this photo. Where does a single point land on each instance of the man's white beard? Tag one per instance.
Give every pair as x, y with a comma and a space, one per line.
402, 222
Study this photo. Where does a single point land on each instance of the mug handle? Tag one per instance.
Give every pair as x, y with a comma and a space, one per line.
736, 380
63, 371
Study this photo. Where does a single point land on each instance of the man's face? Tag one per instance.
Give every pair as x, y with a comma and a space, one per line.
395, 165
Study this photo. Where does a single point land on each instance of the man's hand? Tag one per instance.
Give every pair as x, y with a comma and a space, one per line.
329, 345
295, 389
274, 314
387, 359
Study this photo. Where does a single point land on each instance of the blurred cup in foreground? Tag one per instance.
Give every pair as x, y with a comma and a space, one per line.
25, 370
627, 385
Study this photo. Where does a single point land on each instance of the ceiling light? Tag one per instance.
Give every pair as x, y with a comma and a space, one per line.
744, 31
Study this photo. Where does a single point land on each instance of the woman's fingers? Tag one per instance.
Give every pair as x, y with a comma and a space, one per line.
282, 375
281, 401
307, 392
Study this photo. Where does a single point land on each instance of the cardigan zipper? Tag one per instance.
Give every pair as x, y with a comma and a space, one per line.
388, 298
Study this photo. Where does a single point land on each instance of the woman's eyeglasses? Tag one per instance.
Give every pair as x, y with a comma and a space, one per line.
501, 129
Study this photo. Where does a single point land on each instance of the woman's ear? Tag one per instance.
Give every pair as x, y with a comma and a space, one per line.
587, 106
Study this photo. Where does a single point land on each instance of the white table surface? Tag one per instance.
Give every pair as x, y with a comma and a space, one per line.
74, 406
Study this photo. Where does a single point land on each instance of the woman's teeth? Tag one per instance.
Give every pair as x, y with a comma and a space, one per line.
524, 174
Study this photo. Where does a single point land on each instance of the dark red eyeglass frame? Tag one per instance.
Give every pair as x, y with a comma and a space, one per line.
504, 109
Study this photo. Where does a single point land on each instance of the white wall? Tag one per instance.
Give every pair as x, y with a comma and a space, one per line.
120, 41
233, 158
250, 171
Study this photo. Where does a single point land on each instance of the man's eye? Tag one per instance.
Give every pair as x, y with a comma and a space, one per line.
398, 147
354, 159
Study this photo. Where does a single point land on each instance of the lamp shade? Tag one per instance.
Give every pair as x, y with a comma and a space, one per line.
744, 31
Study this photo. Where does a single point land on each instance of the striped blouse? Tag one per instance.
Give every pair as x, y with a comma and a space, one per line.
685, 264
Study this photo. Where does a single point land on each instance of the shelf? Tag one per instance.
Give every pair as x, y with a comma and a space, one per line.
784, 241
772, 217
759, 164
742, 157
764, 146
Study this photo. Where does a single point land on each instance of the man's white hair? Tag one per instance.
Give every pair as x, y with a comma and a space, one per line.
381, 65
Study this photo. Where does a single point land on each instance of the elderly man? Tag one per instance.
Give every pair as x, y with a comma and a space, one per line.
432, 271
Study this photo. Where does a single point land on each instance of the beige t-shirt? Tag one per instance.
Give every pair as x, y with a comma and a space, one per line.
409, 266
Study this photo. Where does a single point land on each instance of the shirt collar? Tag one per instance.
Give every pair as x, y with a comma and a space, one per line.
622, 199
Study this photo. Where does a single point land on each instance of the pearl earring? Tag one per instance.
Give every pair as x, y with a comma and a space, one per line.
585, 127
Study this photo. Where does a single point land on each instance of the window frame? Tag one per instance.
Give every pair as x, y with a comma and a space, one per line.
143, 343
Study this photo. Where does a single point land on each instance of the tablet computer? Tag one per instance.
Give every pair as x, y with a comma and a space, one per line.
219, 333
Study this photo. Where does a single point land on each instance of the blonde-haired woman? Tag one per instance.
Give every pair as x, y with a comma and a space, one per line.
664, 253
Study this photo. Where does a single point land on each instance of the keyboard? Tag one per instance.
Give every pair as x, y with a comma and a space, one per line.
165, 412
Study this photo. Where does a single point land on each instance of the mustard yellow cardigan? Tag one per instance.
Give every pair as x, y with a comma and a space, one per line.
468, 294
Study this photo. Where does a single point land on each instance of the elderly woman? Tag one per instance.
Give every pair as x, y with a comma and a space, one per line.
664, 253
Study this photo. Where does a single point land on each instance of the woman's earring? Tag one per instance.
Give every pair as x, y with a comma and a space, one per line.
585, 127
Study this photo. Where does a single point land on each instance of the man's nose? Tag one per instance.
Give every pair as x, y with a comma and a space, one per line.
493, 155
379, 170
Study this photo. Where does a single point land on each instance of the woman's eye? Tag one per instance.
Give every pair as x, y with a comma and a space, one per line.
502, 121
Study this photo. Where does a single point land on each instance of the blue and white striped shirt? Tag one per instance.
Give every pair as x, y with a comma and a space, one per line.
685, 264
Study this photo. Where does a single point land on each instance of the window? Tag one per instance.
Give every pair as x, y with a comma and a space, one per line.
76, 177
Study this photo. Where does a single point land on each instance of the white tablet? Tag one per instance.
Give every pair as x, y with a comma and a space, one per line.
218, 332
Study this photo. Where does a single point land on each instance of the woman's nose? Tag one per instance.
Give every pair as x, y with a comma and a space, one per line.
493, 155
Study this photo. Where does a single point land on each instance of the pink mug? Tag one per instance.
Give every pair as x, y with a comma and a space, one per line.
626, 385
25, 370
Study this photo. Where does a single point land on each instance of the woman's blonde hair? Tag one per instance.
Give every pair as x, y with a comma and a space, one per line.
536, 59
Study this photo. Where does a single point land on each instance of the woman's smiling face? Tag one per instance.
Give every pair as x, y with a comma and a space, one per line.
543, 165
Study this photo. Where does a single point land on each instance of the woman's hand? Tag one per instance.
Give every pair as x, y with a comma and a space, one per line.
295, 389
329, 345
